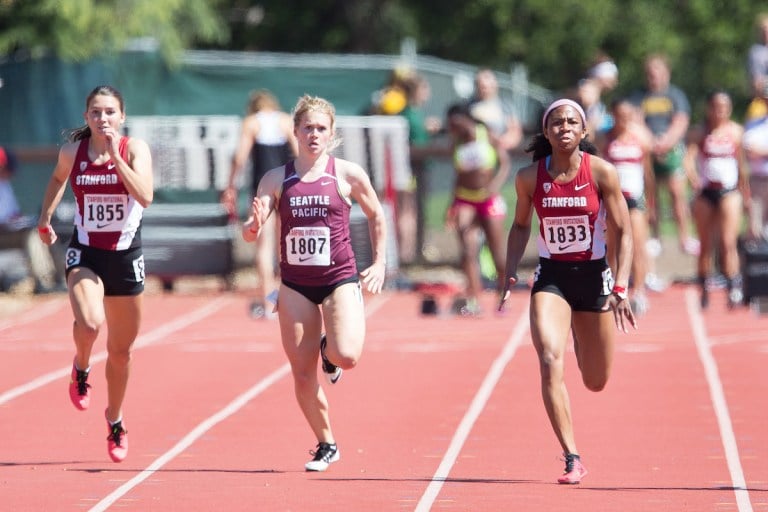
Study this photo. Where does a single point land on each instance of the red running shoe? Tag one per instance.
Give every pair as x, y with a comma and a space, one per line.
79, 389
574, 470
117, 441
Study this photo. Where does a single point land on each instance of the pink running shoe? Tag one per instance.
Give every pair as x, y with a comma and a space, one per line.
574, 470
117, 441
79, 389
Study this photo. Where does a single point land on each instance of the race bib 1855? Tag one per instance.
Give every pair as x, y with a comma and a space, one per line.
105, 212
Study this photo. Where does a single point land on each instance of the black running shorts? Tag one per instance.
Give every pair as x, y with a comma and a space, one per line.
122, 272
585, 285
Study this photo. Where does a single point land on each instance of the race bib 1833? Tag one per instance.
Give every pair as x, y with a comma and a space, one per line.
567, 234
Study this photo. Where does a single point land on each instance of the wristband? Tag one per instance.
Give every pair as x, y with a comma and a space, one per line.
44, 230
619, 291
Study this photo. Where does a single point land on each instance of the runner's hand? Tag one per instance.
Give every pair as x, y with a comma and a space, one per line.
622, 312
510, 282
373, 277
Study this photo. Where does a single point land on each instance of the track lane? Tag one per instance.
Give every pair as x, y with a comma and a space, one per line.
652, 444
738, 343
650, 440
392, 417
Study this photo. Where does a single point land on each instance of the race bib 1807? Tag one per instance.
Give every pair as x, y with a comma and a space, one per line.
309, 246
567, 234
105, 212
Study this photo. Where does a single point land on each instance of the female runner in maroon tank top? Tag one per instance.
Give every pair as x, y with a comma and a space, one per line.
111, 179
319, 282
578, 200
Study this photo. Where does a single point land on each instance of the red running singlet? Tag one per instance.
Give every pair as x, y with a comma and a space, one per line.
107, 216
572, 216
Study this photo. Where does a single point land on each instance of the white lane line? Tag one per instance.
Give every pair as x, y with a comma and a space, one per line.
142, 341
36, 312
717, 395
193, 436
196, 433
470, 417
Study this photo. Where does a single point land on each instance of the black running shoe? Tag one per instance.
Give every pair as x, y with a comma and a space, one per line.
331, 371
704, 298
322, 458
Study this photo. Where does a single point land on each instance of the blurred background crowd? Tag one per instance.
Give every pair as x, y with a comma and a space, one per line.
402, 75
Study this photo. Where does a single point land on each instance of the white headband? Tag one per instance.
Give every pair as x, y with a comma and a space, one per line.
560, 103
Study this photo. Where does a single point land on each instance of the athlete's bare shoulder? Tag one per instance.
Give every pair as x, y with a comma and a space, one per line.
526, 176
350, 171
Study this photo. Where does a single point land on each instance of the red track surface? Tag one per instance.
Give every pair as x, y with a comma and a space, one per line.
443, 413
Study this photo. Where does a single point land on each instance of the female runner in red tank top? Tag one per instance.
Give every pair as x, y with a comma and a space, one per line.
578, 201
627, 145
320, 285
716, 163
111, 179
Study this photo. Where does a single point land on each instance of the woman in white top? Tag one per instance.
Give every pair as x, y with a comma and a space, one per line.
715, 163
267, 140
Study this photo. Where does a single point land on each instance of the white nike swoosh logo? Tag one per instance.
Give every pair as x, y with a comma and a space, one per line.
579, 187
111, 166
324, 183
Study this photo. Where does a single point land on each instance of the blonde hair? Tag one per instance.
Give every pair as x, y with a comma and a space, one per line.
309, 103
261, 99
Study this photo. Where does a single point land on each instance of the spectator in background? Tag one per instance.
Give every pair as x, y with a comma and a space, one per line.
605, 71
716, 161
666, 111
601, 78
588, 96
392, 98
411, 202
487, 106
755, 143
16, 232
266, 141
757, 68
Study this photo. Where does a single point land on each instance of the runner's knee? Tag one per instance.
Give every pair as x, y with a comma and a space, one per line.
595, 382
551, 363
